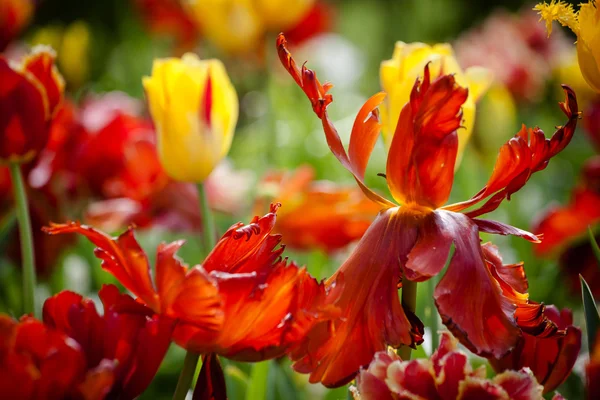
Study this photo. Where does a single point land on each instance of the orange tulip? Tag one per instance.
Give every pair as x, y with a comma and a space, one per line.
410, 242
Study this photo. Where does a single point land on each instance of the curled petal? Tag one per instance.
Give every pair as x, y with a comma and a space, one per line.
481, 317
420, 165
371, 315
527, 152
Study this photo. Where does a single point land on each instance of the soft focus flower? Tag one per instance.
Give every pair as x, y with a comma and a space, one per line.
446, 375
567, 70
14, 15
398, 76
76, 353
515, 48
29, 97
316, 214
551, 358
585, 23
167, 17
239, 26
243, 302
564, 226
399, 244
592, 372
195, 109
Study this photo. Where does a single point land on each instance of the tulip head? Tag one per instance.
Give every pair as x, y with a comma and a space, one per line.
195, 109
279, 15
585, 23
398, 76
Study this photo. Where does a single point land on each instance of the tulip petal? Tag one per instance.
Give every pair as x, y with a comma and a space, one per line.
527, 152
40, 63
420, 166
481, 317
371, 315
211, 381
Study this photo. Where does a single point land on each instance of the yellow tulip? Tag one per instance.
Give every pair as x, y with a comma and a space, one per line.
239, 26
195, 109
398, 76
585, 23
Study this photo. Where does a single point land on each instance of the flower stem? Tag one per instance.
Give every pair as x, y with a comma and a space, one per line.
186, 376
208, 239
409, 302
432, 314
208, 221
26, 237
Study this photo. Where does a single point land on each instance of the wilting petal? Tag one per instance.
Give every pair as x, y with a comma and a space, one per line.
372, 317
211, 381
527, 152
498, 228
550, 357
481, 316
420, 165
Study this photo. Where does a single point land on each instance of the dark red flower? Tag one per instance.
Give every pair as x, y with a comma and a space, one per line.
317, 214
243, 302
29, 98
14, 16
399, 243
76, 353
447, 375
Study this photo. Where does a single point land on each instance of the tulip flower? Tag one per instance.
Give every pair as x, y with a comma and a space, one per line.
14, 16
195, 109
446, 375
77, 353
317, 214
239, 26
410, 240
585, 23
30, 94
550, 358
398, 77
243, 302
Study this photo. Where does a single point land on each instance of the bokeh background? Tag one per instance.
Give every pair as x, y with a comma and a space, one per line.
107, 46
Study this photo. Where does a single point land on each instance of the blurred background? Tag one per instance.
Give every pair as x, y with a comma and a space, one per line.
98, 169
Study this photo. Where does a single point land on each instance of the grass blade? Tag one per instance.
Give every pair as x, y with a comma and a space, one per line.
592, 319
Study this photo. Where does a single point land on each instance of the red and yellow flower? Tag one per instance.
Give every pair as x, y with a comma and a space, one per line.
447, 375
77, 353
411, 242
29, 98
243, 302
316, 214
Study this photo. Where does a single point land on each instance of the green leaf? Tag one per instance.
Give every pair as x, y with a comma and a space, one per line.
594, 244
257, 387
592, 319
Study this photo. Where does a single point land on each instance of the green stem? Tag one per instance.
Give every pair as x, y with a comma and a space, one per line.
187, 375
409, 302
208, 221
432, 314
208, 239
26, 237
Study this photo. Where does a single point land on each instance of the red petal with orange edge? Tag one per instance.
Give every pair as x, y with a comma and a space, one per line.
23, 115
372, 317
527, 152
123, 258
420, 166
170, 274
211, 381
40, 63
481, 317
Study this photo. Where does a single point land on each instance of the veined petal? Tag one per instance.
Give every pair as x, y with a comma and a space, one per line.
527, 152
371, 315
420, 165
469, 299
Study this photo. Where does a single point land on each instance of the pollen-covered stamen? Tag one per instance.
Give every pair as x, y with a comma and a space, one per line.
207, 101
